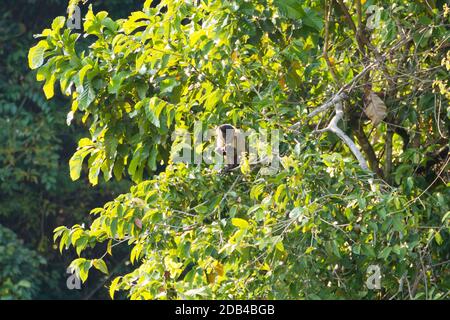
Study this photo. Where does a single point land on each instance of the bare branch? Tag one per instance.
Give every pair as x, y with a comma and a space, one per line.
333, 127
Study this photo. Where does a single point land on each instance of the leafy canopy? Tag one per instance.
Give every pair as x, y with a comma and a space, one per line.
312, 229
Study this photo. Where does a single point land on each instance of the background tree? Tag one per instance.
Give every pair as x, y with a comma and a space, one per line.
36, 192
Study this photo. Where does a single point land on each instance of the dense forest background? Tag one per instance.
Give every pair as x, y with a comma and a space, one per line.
36, 193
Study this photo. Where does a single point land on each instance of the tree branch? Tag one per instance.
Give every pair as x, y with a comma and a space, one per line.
352, 25
325, 45
364, 142
333, 127
388, 153
362, 41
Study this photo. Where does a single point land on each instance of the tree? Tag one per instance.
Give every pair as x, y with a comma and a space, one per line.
19, 275
359, 93
36, 192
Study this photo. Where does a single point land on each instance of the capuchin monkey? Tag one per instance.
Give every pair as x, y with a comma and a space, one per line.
230, 143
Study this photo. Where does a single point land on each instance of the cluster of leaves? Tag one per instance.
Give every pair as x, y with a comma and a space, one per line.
285, 239
312, 229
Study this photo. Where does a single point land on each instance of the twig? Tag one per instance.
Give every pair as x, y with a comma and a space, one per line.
118, 266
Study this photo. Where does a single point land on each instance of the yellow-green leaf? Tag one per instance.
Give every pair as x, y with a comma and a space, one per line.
82, 73
99, 264
58, 23
36, 54
84, 269
49, 87
240, 223
109, 247
76, 162
280, 246
113, 287
438, 238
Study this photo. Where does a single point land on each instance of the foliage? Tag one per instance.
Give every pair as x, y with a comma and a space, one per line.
312, 229
36, 192
19, 268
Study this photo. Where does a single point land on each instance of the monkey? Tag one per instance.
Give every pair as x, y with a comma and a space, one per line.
231, 144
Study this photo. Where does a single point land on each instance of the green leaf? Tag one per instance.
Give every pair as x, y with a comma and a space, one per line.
116, 82
295, 213
201, 209
84, 270
369, 251
109, 247
152, 158
313, 20
135, 162
167, 85
110, 24
84, 142
384, 254
398, 223
94, 169
136, 252
81, 244
309, 250
151, 111
280, 193
75, 235
202, 292
87, 96
212, 99
36, 54
99, 264
64, 240
290, 8
445, 217
256, 191
58, 232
